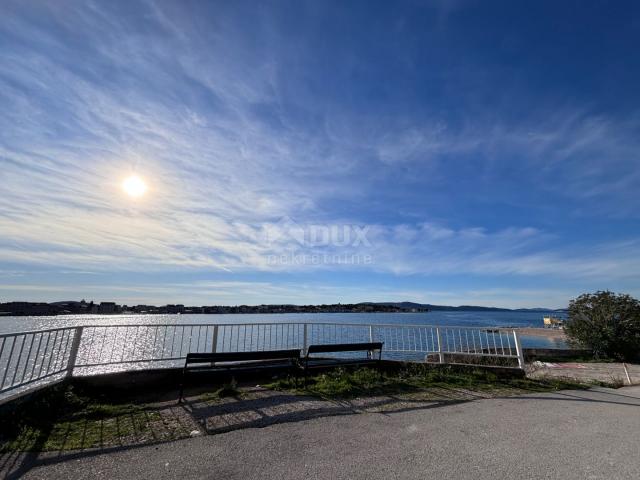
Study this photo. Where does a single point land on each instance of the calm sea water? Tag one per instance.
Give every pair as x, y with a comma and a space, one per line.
464, 319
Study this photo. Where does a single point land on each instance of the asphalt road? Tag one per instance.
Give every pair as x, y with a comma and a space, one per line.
566, 435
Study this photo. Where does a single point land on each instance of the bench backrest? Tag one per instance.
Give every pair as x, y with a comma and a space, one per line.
345, 347
241, 356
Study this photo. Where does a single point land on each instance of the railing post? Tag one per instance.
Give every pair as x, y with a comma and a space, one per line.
75, 347
370, 333
214, 342
305, 340
519, 351
440, 352
6, 371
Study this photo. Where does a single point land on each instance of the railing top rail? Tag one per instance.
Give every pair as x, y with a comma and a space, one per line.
361, 325
339, 324
28, 332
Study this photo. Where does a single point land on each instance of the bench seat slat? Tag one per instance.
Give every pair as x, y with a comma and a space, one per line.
243, 365
241, 356
344, 347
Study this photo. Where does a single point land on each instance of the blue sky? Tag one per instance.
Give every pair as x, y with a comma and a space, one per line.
486, 152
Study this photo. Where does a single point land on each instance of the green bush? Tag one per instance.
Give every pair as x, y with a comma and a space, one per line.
606, 323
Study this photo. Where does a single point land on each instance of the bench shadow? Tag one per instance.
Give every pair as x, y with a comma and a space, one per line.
281, 407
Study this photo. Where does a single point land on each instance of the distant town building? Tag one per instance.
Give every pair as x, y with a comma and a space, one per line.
107, 307
28, 308
174, 308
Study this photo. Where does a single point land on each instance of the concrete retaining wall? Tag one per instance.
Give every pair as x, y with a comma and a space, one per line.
532, 354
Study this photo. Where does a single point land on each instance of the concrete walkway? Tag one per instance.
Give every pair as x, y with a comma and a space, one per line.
565, 435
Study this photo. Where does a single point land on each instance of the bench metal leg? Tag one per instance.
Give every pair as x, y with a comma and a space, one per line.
306, 369
180, 396
295, 366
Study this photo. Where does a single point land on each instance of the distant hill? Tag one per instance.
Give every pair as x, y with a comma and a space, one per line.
463, 308
72, 307
548, 310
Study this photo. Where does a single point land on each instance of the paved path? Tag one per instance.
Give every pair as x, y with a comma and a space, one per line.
565, 435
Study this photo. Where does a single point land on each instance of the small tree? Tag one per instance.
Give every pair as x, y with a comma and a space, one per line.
605, 323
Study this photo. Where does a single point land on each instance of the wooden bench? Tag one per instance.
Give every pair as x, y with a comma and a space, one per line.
207, 361
346, 347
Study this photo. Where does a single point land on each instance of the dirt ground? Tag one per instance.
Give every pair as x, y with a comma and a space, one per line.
615, 373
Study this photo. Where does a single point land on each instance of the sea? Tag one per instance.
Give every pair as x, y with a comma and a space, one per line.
440, 318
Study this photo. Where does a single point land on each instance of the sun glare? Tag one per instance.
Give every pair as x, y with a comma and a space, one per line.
134, 186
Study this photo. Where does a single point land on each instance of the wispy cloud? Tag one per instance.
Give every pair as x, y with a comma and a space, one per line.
234, 132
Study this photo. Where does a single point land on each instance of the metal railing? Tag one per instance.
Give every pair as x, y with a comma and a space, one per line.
36, 358
31, 359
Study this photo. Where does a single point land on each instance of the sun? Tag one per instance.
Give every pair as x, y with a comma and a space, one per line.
134, 186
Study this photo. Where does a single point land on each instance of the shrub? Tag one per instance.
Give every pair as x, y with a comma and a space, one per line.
605, 323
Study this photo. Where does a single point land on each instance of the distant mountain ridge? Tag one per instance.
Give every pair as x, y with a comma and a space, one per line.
74, 307
465, 308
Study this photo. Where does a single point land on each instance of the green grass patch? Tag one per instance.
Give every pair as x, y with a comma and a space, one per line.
226, 390
362, 382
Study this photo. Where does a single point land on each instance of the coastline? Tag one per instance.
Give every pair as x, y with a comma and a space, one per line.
550, 333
